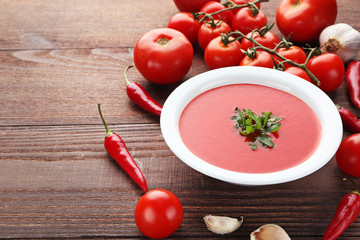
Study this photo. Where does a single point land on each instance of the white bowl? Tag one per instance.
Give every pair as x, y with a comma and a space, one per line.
315, 98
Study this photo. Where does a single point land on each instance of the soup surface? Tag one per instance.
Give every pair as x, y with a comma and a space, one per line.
208, 131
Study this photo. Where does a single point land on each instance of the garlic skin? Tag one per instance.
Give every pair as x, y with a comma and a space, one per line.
221, 224
341, 39
269, 232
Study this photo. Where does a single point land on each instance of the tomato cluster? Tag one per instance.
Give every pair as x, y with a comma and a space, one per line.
164, 56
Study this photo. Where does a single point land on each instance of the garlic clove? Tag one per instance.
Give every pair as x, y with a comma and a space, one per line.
221, 224
341, 39
269, 232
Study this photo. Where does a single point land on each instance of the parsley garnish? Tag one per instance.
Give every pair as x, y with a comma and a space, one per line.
255, 127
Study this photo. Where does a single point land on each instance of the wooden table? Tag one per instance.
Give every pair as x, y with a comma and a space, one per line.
58, 60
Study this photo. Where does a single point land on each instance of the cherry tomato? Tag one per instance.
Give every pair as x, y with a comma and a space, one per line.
207, 33
214, 6
190, 5
302, 21
268, 40
245, 20
186, 23
242, 2
163, 55
348, 155
329, 69
298, 72
158, 213
262, 59
218, 55
294, 53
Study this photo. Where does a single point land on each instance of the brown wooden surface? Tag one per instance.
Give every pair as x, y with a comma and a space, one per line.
58, 59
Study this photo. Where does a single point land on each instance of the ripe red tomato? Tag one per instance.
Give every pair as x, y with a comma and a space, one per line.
245, 21
348, 155
298, 72
329, 69
268, 40
158, 213
294, 53
190, 5
214, 6
186, 23
163, 55
303, 21
207, 33
262, 59
218, 55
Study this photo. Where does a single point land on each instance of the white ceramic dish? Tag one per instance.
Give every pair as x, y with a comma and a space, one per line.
321, 104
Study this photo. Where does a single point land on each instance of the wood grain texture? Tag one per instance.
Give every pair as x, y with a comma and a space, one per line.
58, 60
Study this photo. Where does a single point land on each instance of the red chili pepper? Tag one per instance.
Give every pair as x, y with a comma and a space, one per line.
115, 146
141, 97
346, 213
350, 121
353, 82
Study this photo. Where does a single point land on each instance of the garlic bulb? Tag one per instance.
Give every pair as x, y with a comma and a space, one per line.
269, 232
221, 224
341, 39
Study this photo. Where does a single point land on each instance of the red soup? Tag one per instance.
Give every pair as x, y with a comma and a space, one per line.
207, 129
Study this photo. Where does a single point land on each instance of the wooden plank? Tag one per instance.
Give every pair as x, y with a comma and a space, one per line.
58, 181
62, 24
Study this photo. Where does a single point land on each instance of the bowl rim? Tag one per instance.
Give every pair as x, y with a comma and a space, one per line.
314, 97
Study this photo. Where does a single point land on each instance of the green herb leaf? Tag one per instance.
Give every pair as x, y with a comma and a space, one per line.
256, 127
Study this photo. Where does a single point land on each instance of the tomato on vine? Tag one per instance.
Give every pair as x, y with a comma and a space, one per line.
185, 23
258, 59
208, 31
223, 52
298, 72
265, 38
214, 6
190, 5
242, 2
294, 53
329, 69
248, 19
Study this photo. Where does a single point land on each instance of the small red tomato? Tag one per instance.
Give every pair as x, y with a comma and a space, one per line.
217, 54
268, 40
158, 214
185, 23
207, 33
242, 2
294, 53
348, 155
298, 72
163, 55
190, 5
329, 70
262, 59
245, 20
302, 21
214, 6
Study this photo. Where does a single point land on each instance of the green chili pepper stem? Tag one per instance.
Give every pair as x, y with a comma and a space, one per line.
108, 132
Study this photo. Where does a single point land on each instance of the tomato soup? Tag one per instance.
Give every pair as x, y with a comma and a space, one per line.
207, 129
